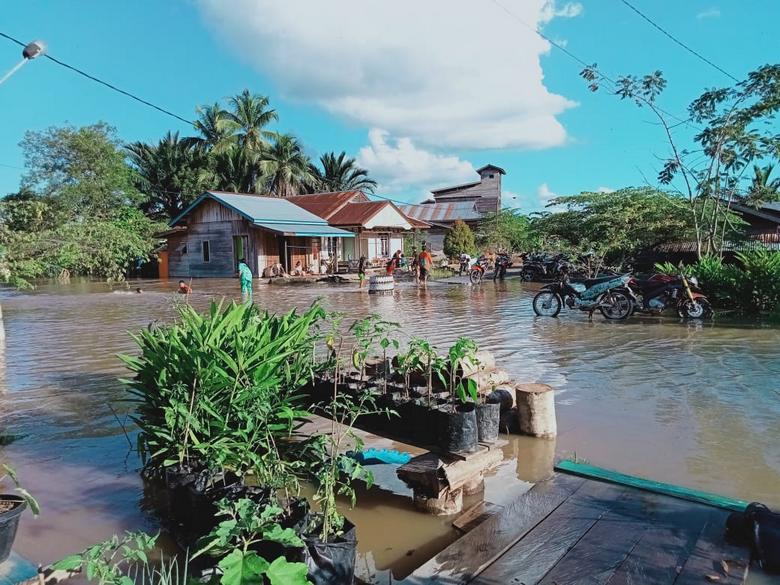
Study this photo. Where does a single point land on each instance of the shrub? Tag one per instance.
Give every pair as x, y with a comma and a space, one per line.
458, 240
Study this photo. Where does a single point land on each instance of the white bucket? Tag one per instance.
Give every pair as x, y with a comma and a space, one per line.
381, 285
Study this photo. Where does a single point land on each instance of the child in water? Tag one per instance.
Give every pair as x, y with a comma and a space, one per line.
184, 288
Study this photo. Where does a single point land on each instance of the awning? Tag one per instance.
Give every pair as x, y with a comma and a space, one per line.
302, 229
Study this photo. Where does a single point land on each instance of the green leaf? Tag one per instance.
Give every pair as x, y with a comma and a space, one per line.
281, 572
285, 536
69, 563
239, 568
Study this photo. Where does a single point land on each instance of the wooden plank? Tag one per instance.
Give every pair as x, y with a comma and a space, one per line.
475, 516
467, 557
712, 548
664, 547
604, 547
533, 557
667, 489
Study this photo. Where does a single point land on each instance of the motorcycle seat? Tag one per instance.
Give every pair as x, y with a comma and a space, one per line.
594, 281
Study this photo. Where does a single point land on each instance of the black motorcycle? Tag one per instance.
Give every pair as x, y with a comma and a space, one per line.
503, 261
607, 295
663, 291
538, 268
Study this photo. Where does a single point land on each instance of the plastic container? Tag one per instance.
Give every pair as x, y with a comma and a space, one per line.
332, 563
488, 422
9, 521
381, 285
458, 429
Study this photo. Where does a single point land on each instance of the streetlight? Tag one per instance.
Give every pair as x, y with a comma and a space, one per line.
30, 52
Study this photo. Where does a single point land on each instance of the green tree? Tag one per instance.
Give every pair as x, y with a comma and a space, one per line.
171, 174
81, 170
214, 129
340, 173
507, 230
763, 189
734, 130
286, 170
249, 115
459, 239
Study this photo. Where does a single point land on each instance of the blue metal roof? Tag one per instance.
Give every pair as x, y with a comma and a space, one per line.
274, 213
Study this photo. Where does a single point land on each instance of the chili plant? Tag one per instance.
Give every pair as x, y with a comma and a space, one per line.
372, 333
462, 351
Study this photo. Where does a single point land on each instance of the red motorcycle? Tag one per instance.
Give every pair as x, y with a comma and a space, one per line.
478, 269
664, 291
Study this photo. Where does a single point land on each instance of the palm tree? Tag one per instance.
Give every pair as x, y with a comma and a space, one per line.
214, 127
340, 173
762, 188
171, 173
249, 116
235, 170
285, 167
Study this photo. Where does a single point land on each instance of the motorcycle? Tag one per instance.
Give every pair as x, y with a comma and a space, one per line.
542, 267
503, 261
664, 291
608, 295
478, 269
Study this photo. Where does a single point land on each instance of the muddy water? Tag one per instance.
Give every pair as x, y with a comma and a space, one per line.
691, 404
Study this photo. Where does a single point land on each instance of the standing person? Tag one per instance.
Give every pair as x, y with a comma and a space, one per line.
361, 271
465, 262
245, 276
425, 263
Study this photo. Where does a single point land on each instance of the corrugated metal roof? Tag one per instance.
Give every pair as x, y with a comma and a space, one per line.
266, 211
764, 242
443, 212
357, 213
325, 205
315, 231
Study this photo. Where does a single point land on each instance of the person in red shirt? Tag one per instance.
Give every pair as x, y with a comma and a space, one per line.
184, 288
424, 263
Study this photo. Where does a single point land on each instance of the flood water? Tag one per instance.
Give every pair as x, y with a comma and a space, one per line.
695, 404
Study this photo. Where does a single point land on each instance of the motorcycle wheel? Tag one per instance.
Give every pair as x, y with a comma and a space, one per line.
547, 304
620, 309
527, 275
475, 276
695, 309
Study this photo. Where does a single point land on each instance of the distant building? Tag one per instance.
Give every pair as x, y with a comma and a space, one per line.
217, 229
469, 202
378, 226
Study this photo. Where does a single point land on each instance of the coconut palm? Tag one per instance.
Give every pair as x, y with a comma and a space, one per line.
285, 168
171, 173
762, 188
249, 115
340, 173
214, 127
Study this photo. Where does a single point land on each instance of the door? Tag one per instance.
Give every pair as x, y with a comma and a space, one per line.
240, 250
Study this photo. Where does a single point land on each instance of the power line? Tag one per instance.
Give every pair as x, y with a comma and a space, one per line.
105, 83
678, 41
582, 62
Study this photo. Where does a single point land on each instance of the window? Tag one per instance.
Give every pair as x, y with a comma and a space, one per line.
491, 175
384, 245
206, 251
184, 249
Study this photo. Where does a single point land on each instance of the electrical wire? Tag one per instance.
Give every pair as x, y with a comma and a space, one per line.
678, 41
105, 83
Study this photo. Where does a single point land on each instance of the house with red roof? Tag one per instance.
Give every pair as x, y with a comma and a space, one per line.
378, 226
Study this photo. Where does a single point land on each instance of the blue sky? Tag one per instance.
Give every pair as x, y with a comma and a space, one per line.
421, 101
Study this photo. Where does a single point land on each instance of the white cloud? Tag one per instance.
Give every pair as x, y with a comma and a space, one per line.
445, 73
605, 190
399, 165
544, 194
713, 12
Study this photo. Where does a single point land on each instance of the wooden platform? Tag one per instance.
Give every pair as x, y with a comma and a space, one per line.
570, 529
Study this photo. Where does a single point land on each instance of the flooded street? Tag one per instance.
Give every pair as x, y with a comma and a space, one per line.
695, 404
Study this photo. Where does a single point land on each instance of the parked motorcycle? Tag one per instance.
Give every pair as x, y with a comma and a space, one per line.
608, 295
543, 267
503, 261
664, 291
478, 269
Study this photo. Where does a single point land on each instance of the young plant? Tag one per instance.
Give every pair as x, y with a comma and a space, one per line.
7, 472
370, 332
109, 562
422, 357
246, 523
463, 351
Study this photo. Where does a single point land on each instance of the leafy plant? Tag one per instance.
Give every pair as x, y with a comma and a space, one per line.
421, 356
370, 333
109, 562
462, 352
459, 239
246, 523
9, 472
248, 568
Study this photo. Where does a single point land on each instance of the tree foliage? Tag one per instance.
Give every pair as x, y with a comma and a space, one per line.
508, 230
734, 130
459, 239
341, 173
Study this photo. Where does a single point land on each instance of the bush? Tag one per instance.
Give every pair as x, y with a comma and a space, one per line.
752, 287
458, 240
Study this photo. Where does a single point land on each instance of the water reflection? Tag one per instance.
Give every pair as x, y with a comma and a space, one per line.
687, 403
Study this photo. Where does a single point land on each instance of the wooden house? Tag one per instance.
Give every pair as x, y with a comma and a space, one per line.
470, 202
211, 235
378, 226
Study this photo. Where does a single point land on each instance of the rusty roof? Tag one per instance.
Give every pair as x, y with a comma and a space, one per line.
443, 212
357, 213
326, 205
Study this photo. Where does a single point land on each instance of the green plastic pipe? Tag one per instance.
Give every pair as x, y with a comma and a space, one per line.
657, 487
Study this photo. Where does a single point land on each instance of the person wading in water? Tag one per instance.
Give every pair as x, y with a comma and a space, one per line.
425, 263
245, 275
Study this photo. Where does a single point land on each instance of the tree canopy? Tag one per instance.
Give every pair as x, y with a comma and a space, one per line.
459, 239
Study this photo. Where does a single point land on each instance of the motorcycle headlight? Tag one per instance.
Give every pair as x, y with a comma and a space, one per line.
694, 281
